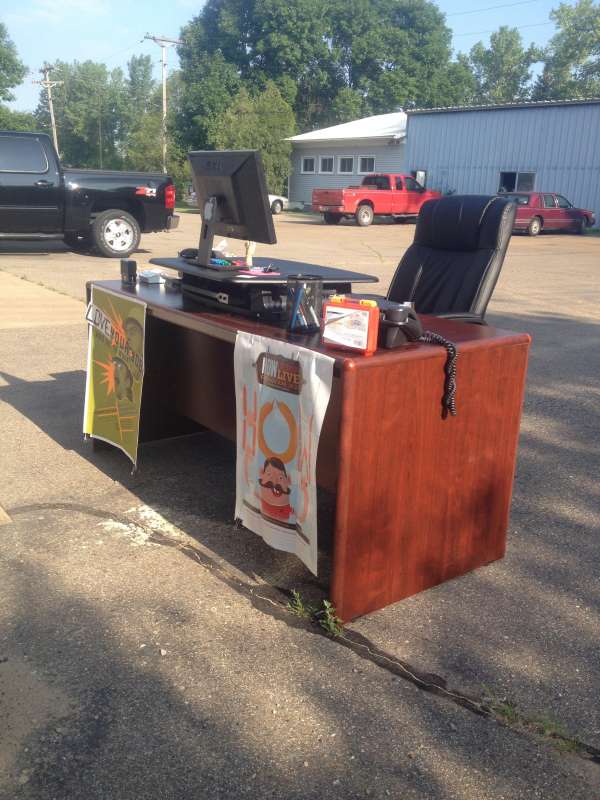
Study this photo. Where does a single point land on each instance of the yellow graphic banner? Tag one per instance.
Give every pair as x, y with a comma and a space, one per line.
115, 370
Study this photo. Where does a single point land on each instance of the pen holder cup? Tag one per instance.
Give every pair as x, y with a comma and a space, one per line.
128, 272
304, 304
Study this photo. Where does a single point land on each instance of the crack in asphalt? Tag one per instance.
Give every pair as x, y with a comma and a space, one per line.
276, 606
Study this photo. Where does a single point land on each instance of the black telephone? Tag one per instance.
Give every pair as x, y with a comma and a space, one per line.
398, 324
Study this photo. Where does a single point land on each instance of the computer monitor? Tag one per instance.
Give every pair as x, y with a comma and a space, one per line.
231, 193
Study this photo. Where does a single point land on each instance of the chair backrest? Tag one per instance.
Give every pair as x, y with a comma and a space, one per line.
455, 259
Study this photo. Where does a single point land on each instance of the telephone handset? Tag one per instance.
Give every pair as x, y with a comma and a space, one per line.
399, 324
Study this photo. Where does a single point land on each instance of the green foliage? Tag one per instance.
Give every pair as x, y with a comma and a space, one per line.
329, 620
92, 113
12, 70
324, 616
298, 607
260, 122
502, 71
347, 105
208, 87
572, 59
331, 60
16, 120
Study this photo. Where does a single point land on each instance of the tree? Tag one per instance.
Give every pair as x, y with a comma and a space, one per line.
91, 110
12, 70
330, 59
16, 120
261, 122
572, 59
209, 85
396, 53
503, 70
141, 86
284, 41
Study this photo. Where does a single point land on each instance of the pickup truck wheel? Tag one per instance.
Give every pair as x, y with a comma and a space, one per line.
276, 207
364, 215
116, 234
534, 227
331, 219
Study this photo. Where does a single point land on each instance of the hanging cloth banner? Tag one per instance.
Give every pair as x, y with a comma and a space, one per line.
115, 370
282, 393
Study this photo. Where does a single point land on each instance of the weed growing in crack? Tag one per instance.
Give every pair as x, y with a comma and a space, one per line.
328, 619
298, 607
546, 727
324, 616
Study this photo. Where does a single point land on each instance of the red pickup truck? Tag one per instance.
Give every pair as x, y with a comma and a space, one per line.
399, 196
537, 211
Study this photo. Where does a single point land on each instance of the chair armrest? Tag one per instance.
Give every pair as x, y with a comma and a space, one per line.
464, 316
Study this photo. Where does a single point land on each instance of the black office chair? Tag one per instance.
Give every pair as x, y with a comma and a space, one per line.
453, 264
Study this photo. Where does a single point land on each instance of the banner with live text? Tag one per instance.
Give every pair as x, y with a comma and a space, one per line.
115, 370
282, 392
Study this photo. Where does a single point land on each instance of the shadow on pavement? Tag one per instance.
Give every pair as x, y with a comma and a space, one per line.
228, 708
522, 626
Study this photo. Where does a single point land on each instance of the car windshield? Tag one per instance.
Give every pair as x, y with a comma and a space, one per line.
519, 199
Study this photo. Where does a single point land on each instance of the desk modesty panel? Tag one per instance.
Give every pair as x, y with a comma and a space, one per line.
419, 499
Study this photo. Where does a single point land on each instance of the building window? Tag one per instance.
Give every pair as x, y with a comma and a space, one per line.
326, 165
366, 164
516, 181
308, 165
346, 165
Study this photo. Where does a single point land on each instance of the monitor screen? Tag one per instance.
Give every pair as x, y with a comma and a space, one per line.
231, 193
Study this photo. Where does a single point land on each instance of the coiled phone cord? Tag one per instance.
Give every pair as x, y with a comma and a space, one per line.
449, 398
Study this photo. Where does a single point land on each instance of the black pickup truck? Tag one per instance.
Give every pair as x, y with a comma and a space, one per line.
87, 208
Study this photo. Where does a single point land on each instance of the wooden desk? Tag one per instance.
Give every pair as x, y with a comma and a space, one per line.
419, 499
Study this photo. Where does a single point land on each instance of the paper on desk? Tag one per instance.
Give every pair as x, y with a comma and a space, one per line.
282, 394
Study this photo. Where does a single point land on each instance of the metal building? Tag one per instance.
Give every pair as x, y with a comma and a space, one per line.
332, 158
551, 146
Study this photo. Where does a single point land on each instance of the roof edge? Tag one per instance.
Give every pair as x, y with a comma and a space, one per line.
337, 140
502, 106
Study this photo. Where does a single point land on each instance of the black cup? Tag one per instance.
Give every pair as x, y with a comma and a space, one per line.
128, 272
304, 303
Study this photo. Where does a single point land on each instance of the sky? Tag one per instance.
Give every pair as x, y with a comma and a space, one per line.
112, 31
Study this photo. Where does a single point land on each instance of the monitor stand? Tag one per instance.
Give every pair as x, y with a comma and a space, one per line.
210, 216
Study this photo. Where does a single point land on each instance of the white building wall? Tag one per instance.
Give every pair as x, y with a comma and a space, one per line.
466, 150
388, 158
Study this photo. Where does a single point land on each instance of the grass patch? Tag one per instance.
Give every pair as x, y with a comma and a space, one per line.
187, 210
546, 727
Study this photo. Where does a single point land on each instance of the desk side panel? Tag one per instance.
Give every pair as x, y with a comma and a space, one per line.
423, 499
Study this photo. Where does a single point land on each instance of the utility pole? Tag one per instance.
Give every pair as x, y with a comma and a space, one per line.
48, 84
164, 43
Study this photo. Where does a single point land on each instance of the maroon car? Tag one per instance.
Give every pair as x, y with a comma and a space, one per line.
548, 211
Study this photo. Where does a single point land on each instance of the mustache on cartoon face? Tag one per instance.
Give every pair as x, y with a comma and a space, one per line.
276, 488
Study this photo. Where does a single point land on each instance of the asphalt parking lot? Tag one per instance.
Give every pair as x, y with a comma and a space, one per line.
145, 648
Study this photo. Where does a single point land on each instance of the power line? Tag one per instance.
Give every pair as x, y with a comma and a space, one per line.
516, 27
491, 8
